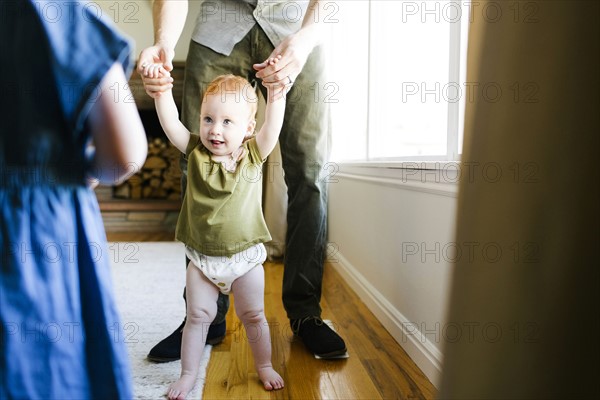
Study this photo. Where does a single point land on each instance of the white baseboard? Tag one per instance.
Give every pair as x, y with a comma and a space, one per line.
423, 352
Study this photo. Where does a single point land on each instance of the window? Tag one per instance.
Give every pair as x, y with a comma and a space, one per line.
404, 101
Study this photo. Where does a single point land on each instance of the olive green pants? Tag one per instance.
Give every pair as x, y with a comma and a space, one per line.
304, 143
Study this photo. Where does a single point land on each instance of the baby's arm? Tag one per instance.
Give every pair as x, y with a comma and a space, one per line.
168, 114
267, 137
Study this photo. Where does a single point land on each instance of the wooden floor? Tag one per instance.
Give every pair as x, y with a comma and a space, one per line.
378, 368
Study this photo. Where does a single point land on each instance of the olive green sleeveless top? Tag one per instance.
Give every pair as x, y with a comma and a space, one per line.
221, 214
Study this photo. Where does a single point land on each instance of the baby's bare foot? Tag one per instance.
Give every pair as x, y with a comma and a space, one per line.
180, 389
270, 379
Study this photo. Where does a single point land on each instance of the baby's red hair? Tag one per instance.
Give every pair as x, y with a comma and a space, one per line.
232, 84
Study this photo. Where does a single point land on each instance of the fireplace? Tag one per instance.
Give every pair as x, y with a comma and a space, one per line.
150, 200
160, 176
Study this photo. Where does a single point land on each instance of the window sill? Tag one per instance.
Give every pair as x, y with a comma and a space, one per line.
433, 177
401, 164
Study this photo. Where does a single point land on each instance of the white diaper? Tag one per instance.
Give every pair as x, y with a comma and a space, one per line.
222, 270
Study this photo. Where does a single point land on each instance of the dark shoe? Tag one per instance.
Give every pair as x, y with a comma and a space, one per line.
318, 337
169, 349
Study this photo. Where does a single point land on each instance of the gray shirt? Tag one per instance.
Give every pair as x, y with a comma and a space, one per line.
221, 24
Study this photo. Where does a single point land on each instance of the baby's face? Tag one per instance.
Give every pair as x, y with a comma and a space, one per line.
224, 123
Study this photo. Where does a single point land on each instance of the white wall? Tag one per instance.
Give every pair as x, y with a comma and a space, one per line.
393, 230
134, 18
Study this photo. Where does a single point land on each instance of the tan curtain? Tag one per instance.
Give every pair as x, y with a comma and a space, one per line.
523, 320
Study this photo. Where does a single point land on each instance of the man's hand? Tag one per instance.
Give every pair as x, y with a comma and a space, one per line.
292, 53
156, 83
274, 90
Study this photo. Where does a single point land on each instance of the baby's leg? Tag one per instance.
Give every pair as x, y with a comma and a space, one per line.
248, 292
201, 310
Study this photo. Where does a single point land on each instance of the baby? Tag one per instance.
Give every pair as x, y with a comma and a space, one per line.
221, 221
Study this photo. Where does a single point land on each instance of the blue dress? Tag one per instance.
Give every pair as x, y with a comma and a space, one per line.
60, 335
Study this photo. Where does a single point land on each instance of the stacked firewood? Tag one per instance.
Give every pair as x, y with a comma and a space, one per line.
159, 178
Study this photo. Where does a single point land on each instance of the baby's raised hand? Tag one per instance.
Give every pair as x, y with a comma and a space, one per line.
274, 60
267, 62
155, 70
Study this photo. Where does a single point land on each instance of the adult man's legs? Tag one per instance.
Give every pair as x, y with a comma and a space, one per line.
304, 142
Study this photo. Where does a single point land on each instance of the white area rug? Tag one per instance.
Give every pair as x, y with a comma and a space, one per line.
149, 278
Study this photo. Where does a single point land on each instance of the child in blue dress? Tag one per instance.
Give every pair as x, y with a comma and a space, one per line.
58, 317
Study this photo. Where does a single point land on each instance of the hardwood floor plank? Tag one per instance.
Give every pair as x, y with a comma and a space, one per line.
390, 380
256, 391
307, 379
215, 387
349, 377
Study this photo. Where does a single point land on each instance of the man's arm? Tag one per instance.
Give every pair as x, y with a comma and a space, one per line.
295, 49
169, 19
312, 24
